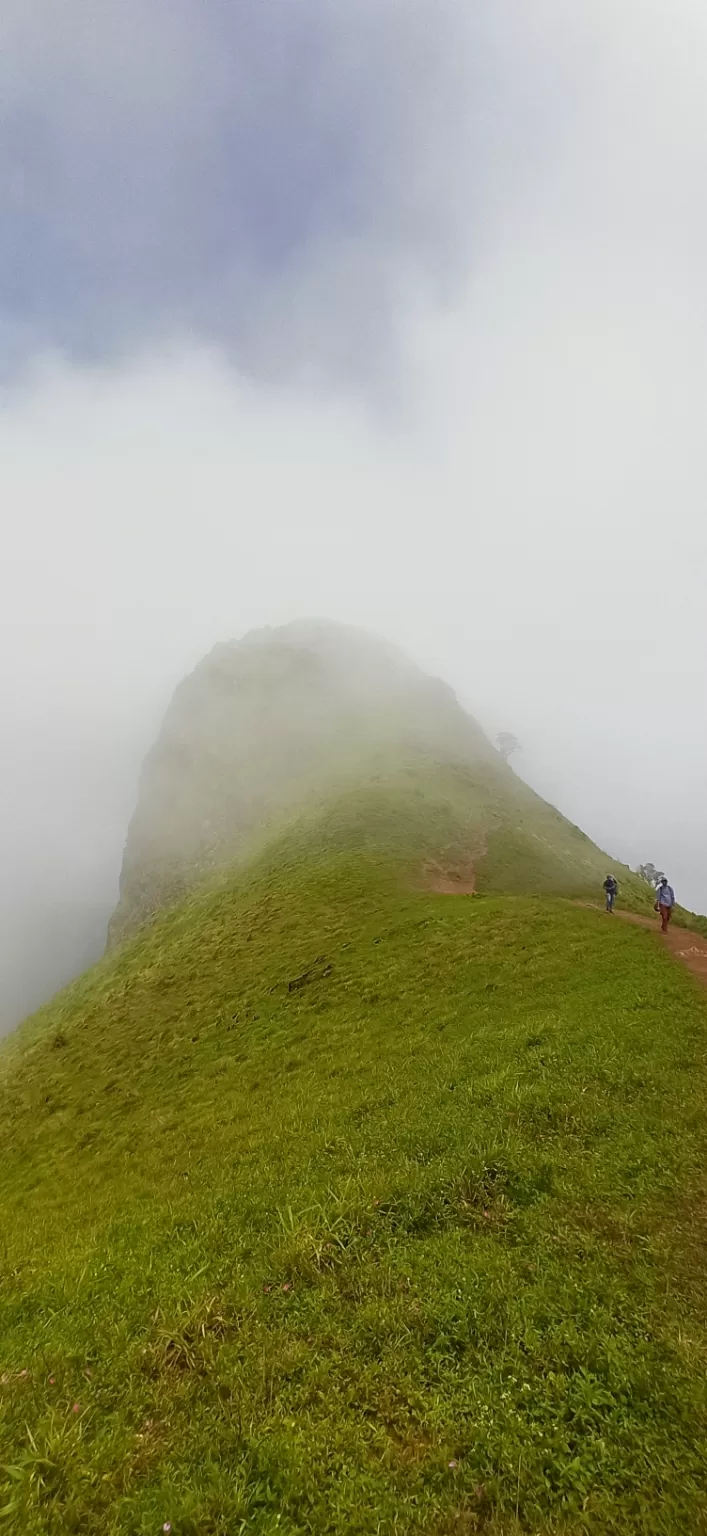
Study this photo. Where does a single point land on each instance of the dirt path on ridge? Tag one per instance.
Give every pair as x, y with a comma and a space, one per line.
689, 948
457, 877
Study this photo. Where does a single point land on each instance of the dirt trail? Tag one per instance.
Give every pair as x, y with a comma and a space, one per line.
457, 877
688, 948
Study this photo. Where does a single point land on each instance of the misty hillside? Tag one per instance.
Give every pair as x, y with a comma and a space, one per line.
279, 723
332, 1205
361, 1191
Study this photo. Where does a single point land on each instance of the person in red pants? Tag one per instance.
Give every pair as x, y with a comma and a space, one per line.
665, 903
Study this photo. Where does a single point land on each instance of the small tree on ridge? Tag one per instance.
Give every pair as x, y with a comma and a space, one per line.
650, 873
507, 743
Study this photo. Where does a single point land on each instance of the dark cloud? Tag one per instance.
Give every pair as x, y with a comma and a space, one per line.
257, 176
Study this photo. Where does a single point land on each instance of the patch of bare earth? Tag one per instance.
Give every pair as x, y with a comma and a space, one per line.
446, 881
453, 876
692, 951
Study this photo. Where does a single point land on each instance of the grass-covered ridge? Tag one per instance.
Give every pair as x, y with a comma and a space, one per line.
273, 726
330, 1205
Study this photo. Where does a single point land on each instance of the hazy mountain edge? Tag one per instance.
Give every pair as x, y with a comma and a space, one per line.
265, 727
388, 830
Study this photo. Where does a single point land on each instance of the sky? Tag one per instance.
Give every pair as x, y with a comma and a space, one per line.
391, 311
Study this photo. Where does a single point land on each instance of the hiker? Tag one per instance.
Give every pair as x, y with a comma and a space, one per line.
665, 903
611, 887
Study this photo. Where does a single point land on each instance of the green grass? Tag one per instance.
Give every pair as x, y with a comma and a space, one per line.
694, 921
331, 1206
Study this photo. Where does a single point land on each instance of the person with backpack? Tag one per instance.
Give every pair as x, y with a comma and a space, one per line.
665, 903
611, 887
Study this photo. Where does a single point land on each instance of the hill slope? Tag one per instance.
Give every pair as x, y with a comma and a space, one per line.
332, 1205
287, 719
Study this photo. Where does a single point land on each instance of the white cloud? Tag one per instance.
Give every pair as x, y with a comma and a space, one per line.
523, 512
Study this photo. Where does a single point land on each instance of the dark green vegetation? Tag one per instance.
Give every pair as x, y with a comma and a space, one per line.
331, 1205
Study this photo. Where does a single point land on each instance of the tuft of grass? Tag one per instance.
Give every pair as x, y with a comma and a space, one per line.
346, 1208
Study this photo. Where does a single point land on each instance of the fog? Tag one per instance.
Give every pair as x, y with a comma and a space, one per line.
410, 334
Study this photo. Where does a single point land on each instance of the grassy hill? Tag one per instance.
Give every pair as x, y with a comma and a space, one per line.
330, 1204
288, 719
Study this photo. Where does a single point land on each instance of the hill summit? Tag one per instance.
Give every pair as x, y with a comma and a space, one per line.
285, 720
